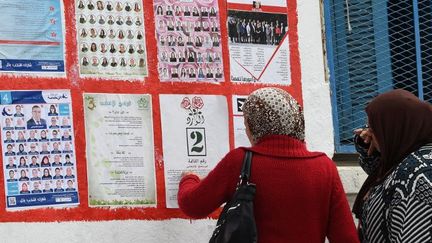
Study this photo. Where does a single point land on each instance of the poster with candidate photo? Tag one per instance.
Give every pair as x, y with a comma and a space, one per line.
111, 39
258, 41
37, 141
189, 40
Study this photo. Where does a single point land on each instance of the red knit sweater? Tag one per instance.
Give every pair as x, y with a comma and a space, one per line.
299, 195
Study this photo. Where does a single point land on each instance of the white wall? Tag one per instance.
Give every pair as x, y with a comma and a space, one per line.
319, 136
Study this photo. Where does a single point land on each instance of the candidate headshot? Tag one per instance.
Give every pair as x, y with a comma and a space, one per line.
36, 122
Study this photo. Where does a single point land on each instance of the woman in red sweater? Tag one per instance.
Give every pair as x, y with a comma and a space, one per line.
299, 195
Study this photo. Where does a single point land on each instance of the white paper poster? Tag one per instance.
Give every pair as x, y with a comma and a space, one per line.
38, 140
120, 156
195, 136
258, 42
240, 137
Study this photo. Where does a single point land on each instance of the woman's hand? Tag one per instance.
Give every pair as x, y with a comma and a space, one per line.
368, 138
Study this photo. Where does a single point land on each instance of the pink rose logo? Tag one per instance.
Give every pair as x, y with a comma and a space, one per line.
197, 102
185, 104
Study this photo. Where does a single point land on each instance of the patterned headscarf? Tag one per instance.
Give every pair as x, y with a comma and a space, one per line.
273, 111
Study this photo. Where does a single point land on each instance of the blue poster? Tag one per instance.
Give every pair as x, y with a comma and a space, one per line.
31, 36
37, 138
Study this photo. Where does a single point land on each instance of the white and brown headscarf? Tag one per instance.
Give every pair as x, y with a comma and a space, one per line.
273, 111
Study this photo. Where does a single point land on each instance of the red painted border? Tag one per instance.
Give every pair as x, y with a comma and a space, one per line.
150, 85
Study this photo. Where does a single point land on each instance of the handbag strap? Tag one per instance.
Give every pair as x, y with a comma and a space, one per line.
246, 168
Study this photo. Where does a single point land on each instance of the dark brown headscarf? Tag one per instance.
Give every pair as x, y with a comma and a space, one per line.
401, 124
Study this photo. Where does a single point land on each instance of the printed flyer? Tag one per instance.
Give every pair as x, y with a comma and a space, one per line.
188, 36
38, 149
120, 156
240, 137
31, 37
111, 39
258, 41
198, 139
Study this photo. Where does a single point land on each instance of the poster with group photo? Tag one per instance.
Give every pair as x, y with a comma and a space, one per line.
37, 138
258, 41
120, 156
189, 40
31, 37
196, 141
111, 39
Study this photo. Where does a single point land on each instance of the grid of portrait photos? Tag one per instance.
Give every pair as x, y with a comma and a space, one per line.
189, 40
111, 39
38, 150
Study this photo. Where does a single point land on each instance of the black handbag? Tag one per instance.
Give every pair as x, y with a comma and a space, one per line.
236, 223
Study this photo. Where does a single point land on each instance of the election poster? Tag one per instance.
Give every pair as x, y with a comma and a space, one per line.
198, 139
111, 39
189, 40
240, 137
31, 37
120, 156
258, 42
39, 159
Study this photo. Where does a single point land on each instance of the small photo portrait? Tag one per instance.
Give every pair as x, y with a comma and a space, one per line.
163, 57
178, 11
53, 108
198, 42
139, 35
164, 74
181, 57
122, 48
58, 173
121, 35
47, 187
113, 62
19, 123
23, 162
70, 185
69, 173
172, 40
100, 5
123, 62
205, 26
138, 21
119, 6
132, 62
103, 48
216, 41
11, 161
170, 26
11, 176
186, 11
84, 61
102, 34
90, 5
191, 57
59, 184
204, 12
24, 175
212, 12
130, 34
101, 19
83, 33
189, 41
35, 172
137, 7
119, 20
142, 63
180, 41
65, 122
55, 136
104, 62
32, 136
110, 20
21, 137
209, 57
131, 49
81, 5
218, 73
46, 174
57, 160
197, 26
92, 19
216, 57
159, 10
33, 149
9, 137
36, 187
129, 21
93, 47
21, 150
162, 40
56, 148
44, 149
183, 73
93, 33
256, 5
128, 7
109, 6
84, 47
82, 19
161, 24
214, 27
178, 26
95, 61
112, 34
169, 11
54, 123
140, 49
173, 57
24, 188
209, 73
199, 57
34, 161
195, 12
43, 136
174, 73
